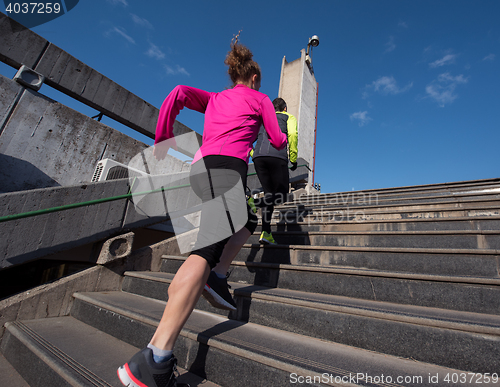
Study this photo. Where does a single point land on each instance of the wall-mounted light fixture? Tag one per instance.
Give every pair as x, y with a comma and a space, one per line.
313, 42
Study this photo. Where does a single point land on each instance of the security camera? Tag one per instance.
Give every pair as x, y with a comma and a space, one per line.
314, 41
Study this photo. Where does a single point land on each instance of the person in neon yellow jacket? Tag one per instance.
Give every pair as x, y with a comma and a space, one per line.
271, 166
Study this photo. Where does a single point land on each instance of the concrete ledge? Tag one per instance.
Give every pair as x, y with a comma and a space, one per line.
18, 44
53, 232
58, 231
55, 299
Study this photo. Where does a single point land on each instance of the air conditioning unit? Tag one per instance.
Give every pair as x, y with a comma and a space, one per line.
108, 169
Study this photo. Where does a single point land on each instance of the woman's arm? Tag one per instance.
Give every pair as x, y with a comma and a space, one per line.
180, 97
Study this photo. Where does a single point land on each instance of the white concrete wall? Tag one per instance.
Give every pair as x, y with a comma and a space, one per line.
298, 87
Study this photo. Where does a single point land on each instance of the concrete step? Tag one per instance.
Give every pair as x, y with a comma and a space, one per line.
479, 222
468, 341
351, 200
64, 351
363, 199
10, 377
449, 186
212, 344
481, 263
403, 239
462, 293
466, 189
294, 214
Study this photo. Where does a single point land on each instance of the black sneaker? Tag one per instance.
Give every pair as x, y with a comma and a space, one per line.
142, 371
216, 292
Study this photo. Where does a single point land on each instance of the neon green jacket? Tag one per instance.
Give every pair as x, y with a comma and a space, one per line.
288, 125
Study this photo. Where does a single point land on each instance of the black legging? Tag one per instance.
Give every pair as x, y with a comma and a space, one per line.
216, 181
273, 175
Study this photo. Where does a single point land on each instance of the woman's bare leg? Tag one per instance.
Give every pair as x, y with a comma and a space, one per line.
233, 246
183, 294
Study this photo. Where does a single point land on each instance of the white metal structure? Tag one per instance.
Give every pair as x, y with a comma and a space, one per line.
108, 169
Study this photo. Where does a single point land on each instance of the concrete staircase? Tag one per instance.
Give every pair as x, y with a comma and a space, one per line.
376, 288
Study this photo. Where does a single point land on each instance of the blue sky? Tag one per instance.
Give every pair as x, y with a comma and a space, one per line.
408, 90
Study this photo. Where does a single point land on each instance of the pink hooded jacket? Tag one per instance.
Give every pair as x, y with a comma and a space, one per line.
232, 119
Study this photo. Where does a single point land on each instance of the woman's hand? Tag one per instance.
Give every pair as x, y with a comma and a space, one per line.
160, 150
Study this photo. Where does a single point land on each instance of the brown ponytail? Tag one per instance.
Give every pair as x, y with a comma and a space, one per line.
241, 65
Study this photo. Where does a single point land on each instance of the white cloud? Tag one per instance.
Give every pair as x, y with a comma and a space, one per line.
390, 45
115, 2
361, 117
403, 24
155, 52
385, 86
120, 31
489, 57
177, 70
442, 95
447, 59
446, 77
141, 22
443, 90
